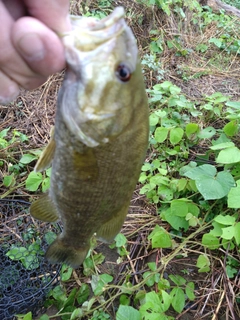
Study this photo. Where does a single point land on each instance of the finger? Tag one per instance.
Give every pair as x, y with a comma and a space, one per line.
11, 63
53, 13
15, 8
39, 46
8, 89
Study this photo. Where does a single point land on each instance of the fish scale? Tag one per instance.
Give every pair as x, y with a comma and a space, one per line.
100, 138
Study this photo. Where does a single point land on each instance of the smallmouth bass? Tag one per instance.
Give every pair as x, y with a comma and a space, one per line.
100, 137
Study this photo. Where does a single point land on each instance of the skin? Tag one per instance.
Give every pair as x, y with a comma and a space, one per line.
30, 48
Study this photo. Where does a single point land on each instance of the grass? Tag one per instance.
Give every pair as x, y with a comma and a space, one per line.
178, 253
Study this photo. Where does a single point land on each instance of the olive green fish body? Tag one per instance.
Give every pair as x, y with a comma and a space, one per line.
98, 155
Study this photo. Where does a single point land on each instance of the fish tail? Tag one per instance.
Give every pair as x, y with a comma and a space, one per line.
59, 252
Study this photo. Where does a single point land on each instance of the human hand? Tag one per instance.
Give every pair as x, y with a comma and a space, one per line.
30, 50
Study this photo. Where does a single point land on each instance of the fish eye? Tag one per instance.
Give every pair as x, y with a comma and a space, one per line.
123, 73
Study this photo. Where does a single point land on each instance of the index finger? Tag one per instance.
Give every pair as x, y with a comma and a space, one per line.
53, 13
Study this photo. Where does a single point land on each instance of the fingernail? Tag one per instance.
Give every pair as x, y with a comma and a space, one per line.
8, 89
31, 47
4, 100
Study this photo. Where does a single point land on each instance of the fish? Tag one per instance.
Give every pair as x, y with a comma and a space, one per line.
100, 137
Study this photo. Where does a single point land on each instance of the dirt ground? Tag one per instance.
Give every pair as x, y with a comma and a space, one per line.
33, 114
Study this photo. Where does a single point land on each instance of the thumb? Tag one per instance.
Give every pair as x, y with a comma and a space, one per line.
38, 45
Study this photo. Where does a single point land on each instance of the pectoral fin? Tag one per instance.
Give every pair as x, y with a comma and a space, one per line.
43, 209
111, 228
47, 155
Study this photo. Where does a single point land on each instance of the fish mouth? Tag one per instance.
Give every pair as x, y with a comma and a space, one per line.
89, 33
116, 15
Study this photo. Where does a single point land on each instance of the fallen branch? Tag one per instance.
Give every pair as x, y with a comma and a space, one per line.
217, 5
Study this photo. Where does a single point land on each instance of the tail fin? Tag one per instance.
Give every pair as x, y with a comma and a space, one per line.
58, 252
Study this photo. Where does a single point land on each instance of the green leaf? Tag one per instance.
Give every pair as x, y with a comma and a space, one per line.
231, 272
77, 314
234, 196
215, 188
216, 41
175, 221
120, 239
166, 300
45, 184
190, 291
161, 134
59, 294
9, 181
233, 104
179, 207
153, 119
193, 209
70, 299
228, 232
160, 238
210, 241
17, 253
152, 266
163, 284
217, 229
28, 316
197, 172
176, 135
152, 302
3, 143
67, 311
178, 299
27, 158
178, 280
225, 220
124, 300
237, 233
127, 313
4, 132
48, 172
231, 128
165, 193
207, 133
203, 263
229, 155
33, 181
181, 184
50, 236
44, 317
155, 304
191, 129
174, 90
66, 272
209, 185
99, 282
192, 220
151, 278
223, 145
83, 293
